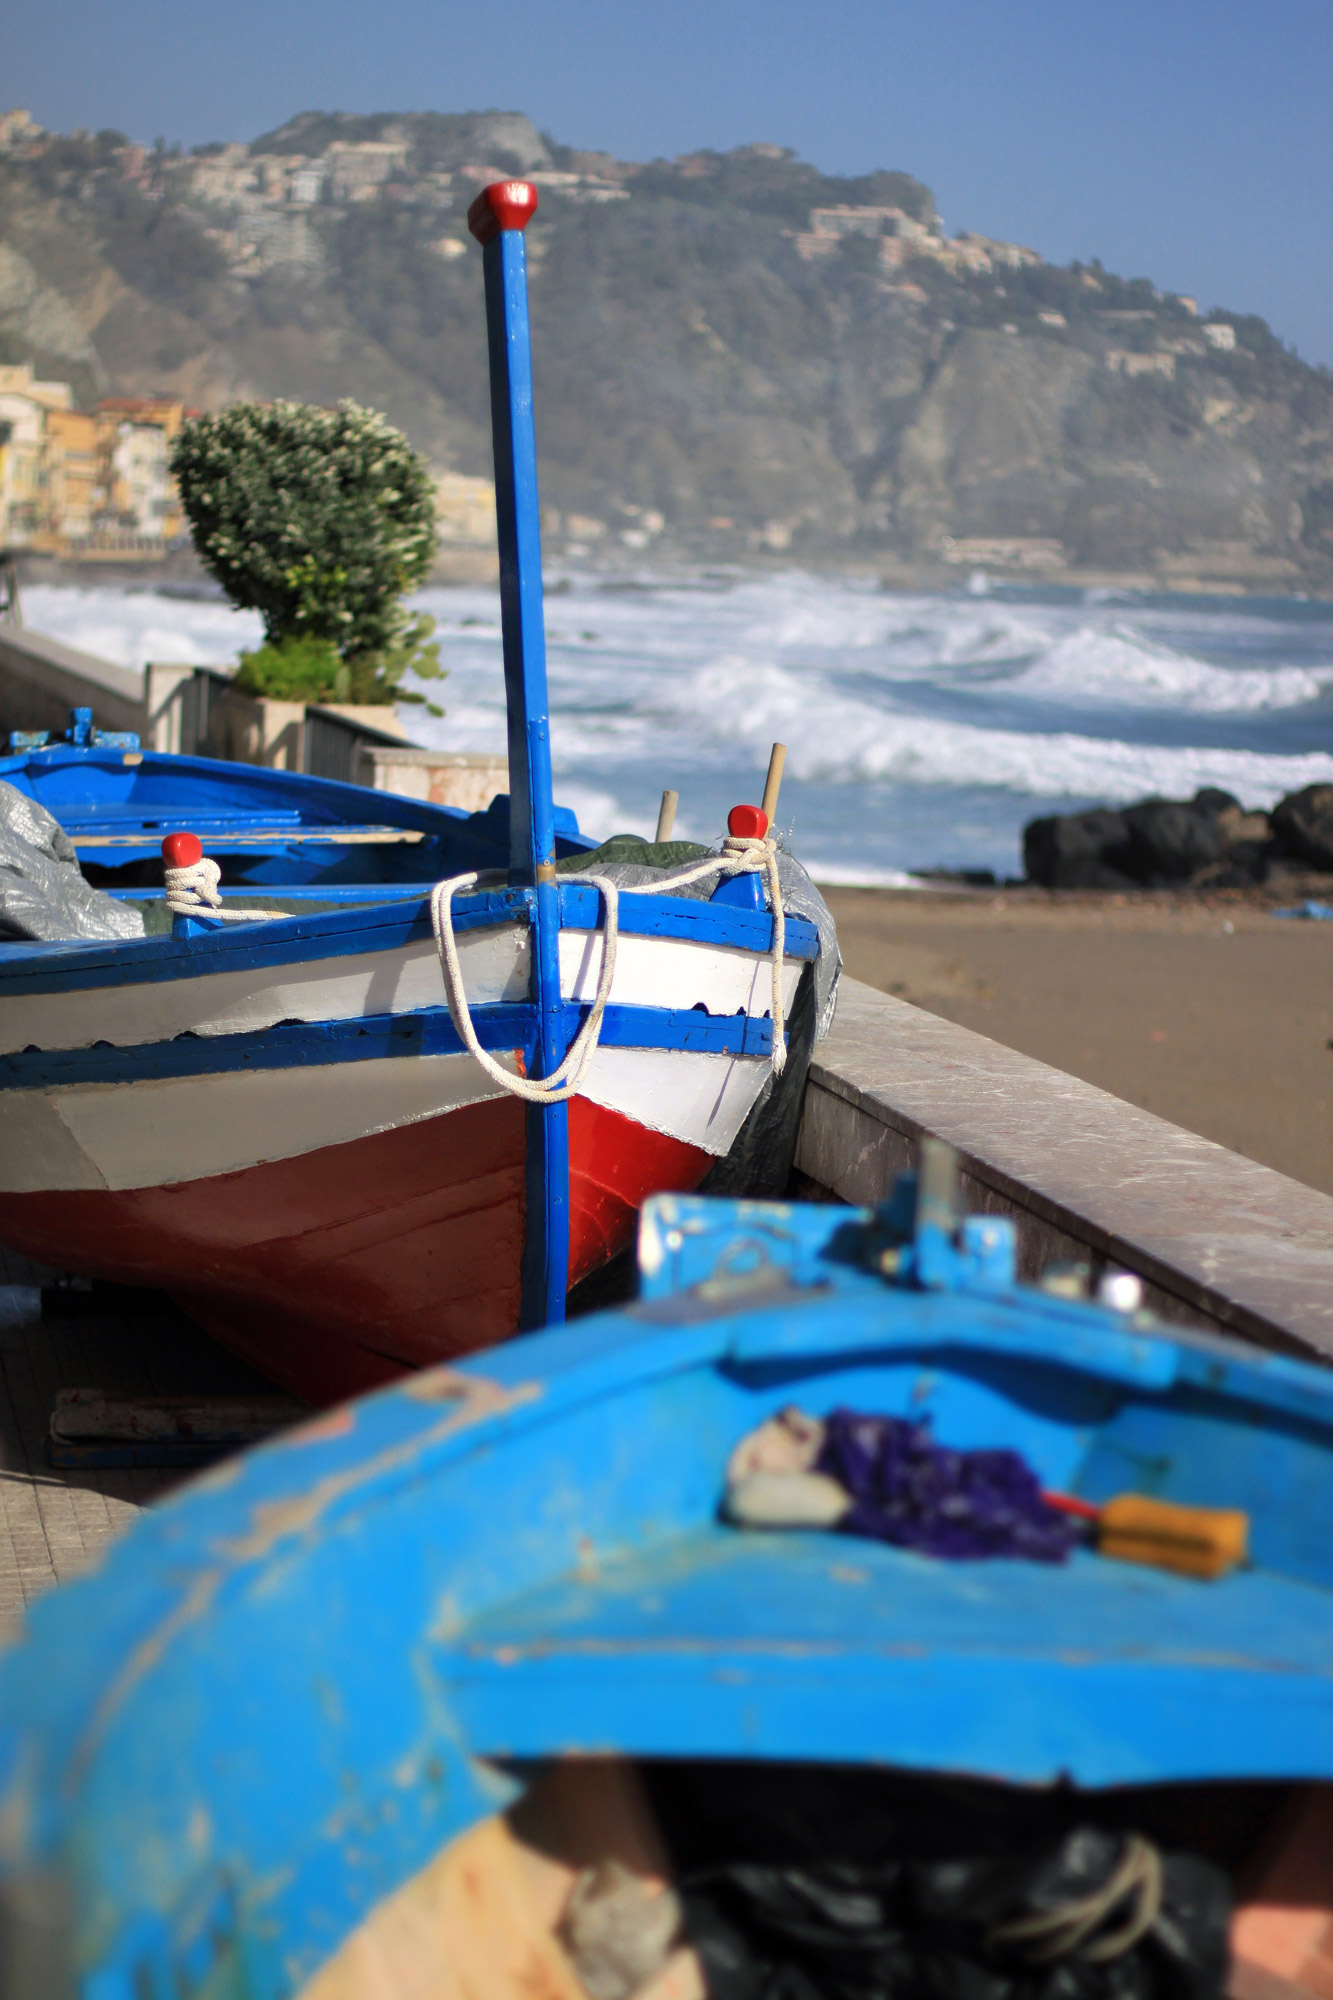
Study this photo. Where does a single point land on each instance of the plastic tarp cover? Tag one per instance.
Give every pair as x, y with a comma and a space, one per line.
43, 896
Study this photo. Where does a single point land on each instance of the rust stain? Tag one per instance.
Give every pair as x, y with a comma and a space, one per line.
338, 1423
437, 1385
273, 1521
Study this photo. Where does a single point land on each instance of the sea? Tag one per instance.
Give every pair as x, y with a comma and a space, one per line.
922, 729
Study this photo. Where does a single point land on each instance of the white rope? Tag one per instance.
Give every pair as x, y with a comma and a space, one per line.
193, 892
1046, 1936
741, 855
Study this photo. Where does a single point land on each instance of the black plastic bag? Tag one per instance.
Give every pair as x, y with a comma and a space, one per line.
820, 1884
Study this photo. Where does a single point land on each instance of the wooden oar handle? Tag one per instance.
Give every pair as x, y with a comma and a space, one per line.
773, 781
666, 818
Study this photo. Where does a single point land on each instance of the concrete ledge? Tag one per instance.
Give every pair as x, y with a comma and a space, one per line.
1219, 1240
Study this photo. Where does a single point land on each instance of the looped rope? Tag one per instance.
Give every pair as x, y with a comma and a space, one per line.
741, 855
193, 892
1049, 1935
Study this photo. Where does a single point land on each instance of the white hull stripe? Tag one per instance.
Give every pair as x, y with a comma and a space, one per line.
161, 1131
650, 972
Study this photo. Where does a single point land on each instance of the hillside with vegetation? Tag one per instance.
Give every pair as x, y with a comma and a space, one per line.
736, 355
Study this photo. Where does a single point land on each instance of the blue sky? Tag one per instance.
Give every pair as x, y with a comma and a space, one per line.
1185, 141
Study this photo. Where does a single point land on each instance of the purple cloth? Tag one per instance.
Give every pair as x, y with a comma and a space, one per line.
908, 1490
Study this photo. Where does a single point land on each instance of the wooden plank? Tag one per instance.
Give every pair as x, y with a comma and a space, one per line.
1218, 1238
236, 840
53, 1522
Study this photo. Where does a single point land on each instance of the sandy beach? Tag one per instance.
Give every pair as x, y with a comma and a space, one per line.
1214, 1014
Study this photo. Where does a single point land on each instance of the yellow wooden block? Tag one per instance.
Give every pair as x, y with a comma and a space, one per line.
1192, 1541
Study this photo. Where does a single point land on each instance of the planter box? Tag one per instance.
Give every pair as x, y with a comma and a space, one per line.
319, 737
246, 730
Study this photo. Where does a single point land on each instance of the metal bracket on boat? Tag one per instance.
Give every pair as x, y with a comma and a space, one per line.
82, 734
918, 1237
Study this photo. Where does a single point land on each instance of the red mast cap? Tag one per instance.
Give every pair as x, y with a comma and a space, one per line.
182, 850
747, 822
502, 205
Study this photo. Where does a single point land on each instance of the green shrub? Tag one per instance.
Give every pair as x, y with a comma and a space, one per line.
307, 669
320, 520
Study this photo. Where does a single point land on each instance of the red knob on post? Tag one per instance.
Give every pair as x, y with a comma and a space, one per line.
747, 822
182, 850
502, 205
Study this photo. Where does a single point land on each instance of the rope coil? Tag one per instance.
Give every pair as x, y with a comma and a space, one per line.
1048, 1935
742, 854
192, 891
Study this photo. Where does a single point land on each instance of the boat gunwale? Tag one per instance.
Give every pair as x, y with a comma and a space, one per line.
55, 967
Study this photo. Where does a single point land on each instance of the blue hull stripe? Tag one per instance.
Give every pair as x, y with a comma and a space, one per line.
60, 968
430, 1031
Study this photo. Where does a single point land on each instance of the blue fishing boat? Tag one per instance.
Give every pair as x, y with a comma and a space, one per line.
355, 1138
297, 1692
313, 839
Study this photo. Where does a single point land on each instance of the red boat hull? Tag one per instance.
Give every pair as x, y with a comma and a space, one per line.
338, 1269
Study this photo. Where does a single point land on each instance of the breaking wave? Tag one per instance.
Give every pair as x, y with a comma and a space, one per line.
922, 729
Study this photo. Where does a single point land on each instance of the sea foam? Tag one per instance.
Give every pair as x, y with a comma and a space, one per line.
921, 729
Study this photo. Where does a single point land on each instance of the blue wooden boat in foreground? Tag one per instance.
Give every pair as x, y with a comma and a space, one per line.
292, 1684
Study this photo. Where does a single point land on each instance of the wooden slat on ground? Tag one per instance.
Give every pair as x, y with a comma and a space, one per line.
55, 1523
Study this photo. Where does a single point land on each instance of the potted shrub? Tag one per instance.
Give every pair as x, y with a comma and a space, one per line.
321, 520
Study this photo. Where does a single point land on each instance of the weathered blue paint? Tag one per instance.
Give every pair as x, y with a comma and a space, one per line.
298, 940
291, 1682
116, 807
531, 828
367, 1037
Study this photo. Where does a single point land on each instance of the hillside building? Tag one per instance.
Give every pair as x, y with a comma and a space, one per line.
307, 182
19, 131
75, 482
221, 178
1121, 362
357, 172
901, 237
134, 436
25, 405
464, 508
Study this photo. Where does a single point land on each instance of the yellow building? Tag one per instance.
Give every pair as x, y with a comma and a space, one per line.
464, 508
25, 405
134, 437
75, 494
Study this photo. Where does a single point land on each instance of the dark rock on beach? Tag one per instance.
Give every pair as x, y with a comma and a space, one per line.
1303, 822
1071, 850
1168, 841
1209, 841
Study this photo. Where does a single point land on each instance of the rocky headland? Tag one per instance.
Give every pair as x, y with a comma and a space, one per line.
739, 358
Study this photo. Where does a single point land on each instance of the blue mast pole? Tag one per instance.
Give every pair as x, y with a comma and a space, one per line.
497, 218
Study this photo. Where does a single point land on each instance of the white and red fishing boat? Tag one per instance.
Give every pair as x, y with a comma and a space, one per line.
397, 1129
